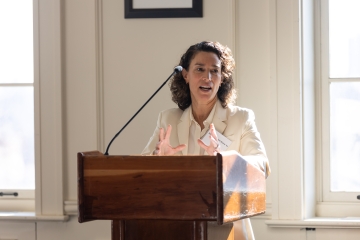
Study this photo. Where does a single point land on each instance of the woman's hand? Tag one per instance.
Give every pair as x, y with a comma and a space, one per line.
214, 146
163, 147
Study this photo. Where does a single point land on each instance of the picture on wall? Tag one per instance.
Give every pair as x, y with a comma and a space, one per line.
163, 8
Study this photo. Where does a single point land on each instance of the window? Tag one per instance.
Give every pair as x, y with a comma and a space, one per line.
340, 87
17, 157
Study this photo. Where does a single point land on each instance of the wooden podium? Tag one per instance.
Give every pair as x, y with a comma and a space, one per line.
168, 197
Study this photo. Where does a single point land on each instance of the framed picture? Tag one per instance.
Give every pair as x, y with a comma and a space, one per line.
163, 8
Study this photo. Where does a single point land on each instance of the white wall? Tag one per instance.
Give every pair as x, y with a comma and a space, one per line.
112, 65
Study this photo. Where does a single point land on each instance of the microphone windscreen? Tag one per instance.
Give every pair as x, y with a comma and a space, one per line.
178, 69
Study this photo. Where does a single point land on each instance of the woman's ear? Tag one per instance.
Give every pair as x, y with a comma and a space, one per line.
185, 74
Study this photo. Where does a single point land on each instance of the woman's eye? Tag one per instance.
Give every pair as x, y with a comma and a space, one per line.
215, 71
199, 69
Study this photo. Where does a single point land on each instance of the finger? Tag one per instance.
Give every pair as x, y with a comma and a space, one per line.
202, 144
168, 132
213, 141
158, 148
158, 145
209, 150
213, 131
161, 134
179, 148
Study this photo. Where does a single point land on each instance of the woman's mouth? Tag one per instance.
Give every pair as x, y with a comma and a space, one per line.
205, 88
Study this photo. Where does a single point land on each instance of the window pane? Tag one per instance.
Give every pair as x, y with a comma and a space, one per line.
17, 138
345, 136
16, 41
344, 38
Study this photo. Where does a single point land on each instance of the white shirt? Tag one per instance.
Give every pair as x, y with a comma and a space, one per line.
196, 133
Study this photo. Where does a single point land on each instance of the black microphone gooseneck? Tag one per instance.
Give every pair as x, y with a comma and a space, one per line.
176, 70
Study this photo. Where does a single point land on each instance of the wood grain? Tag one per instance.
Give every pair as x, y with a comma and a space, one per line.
133, 187
173, 197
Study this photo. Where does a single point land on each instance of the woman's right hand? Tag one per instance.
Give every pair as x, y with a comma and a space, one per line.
214, 146
163, 147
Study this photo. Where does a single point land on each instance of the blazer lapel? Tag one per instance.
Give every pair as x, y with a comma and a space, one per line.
183, 129
220, 118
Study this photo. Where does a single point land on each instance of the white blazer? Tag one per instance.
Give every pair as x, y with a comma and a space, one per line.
235, 123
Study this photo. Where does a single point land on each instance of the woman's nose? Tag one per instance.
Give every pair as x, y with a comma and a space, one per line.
207, 76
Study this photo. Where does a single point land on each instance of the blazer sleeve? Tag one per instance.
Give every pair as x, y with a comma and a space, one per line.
154, 139
251, 146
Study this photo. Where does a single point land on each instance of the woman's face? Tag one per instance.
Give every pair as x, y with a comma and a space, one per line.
203, 77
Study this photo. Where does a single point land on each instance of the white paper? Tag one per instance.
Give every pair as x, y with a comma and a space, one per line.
224, 142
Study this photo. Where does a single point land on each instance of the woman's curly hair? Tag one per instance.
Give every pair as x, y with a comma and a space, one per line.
226, 94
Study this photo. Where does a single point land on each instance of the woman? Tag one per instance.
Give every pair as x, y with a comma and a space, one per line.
204, 92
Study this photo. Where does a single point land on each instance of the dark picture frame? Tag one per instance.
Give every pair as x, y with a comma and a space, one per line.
195, 12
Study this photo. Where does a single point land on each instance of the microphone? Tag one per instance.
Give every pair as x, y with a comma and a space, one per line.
177, 69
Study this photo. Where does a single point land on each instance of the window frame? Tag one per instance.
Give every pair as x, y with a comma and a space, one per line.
49, 117
25, 201
326, 194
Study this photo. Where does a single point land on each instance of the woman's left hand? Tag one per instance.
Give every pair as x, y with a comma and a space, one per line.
163, 147
214, 146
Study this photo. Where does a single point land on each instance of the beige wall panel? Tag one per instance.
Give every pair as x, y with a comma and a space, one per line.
72, 230
263, 232
348, 234
79, 87
254, 83
17, 230
253, 61
289, 97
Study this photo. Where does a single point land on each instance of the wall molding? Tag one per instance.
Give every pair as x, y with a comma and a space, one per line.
337, 209
49, 135
99, 75
316, 223
31, 217
71, 208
